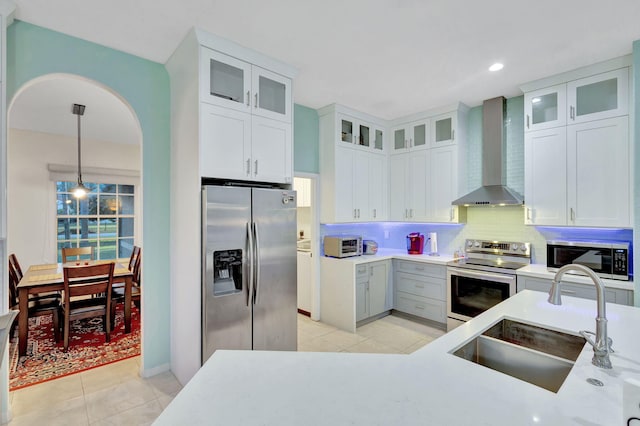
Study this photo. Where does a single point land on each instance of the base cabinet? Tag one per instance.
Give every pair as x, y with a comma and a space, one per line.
584, 291
352, 292
372, 285
421, 289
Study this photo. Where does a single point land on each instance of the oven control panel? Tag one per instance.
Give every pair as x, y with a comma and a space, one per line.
501, 248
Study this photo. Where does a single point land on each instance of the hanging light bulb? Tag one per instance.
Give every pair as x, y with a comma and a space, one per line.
80, 191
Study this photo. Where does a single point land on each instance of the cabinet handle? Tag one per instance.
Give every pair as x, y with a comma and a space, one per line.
410, 212
572, 112
358, 213
256, 105
527, 121
572, 214
248, 97
255, 171
528, 213
354, 213
453, 135
248, 166
374, 213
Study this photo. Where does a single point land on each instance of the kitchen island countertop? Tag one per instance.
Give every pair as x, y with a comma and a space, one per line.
430, 386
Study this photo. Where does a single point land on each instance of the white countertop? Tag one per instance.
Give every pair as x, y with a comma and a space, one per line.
430, 386
540, 271
384, 254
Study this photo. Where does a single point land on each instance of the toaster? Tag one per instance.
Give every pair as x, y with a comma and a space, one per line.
369, 247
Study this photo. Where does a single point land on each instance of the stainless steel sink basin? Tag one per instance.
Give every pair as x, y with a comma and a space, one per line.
527, 352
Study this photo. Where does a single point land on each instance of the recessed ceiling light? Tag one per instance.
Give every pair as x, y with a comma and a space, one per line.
496, 67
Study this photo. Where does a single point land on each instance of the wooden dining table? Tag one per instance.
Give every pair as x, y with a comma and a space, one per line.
49, 277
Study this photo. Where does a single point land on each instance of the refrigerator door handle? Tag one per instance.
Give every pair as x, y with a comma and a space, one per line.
257, 263
250, 258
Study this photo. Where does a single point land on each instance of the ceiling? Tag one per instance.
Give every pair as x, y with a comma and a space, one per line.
46, 106
388, 58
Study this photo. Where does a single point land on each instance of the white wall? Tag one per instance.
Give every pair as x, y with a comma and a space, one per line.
31, 196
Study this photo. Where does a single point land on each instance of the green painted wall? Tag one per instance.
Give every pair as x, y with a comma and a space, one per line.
635, 137
306, 140
32, 52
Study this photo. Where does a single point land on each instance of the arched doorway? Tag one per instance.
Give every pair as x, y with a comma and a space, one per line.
42, 150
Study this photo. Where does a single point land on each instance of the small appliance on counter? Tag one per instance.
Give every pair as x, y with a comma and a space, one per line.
433, 244
608, 259
342, 245
369, 247
415, 243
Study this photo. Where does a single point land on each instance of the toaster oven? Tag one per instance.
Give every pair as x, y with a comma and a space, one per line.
342, 245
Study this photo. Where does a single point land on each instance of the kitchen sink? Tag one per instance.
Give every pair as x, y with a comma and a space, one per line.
527, 352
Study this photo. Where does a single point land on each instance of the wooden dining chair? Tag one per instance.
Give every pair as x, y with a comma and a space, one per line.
93, 280
39, 304
76, 253
136, 288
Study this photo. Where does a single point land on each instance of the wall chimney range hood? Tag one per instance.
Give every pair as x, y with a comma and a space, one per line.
493, 190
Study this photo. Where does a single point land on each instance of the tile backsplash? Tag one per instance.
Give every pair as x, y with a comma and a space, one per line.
504, 223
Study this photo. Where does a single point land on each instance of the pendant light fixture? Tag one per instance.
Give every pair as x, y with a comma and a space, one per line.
80, 191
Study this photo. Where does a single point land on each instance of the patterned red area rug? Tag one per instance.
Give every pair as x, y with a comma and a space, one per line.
46, 360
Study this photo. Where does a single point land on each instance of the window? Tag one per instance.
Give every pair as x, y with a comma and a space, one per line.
103, 219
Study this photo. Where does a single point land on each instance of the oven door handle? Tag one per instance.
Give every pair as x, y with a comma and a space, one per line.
484, 275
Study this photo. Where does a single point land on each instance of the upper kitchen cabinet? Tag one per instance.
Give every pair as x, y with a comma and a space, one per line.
600, 96
443, 130
239, 85
545, 108
411, 136
239, 112
353, 166
577, 150
357, 132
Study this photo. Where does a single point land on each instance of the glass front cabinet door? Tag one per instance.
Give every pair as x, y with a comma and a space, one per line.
271, 94
600, 96
228, 83
235, 84
545, 108
443, 130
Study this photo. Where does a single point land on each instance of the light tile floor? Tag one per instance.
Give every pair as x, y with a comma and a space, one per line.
116, 395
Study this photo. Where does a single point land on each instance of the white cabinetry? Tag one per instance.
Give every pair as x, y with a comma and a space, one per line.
304, 281
354, 291
353, 166
420, 289
303, 189
372, 287
424, 175
577, 150
584, 291
245, 119
411, 136
214, 133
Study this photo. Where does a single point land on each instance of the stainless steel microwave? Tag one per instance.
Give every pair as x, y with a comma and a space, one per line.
607, 259
342, 245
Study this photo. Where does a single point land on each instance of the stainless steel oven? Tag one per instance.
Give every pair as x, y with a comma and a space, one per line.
471, 292
483, 279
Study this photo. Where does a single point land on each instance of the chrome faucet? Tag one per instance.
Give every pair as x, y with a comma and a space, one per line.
602, 344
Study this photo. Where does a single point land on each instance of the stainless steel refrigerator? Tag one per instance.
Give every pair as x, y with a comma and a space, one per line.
249, 289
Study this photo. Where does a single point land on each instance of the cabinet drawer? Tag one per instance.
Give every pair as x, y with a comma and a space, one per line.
421, 268
434, 288
361, 270
584, 291
434, 310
